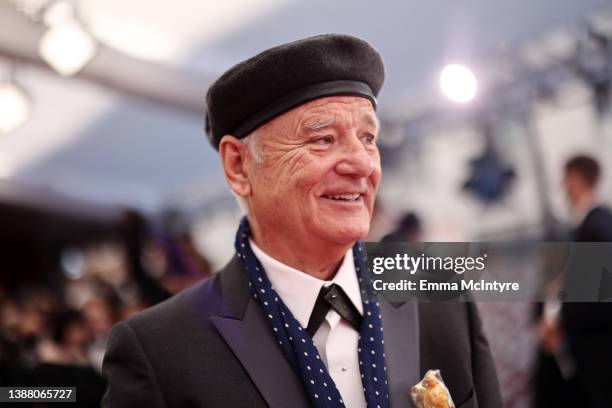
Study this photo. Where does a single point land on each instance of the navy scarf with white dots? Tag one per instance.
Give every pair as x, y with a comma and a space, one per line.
298, 346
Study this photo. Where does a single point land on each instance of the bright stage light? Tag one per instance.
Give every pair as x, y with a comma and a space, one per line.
67, 47
14, 107
458, 83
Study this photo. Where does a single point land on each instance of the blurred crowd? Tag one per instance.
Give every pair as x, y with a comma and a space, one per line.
54, 330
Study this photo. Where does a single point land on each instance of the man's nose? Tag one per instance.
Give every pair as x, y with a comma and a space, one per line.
356, 160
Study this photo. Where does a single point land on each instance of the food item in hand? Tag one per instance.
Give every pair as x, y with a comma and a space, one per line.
431, 392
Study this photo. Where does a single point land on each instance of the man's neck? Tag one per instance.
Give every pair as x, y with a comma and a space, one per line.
318, 260
583, 205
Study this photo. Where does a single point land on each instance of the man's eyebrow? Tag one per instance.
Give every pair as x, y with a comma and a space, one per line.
322, 122
372, 120
318, 122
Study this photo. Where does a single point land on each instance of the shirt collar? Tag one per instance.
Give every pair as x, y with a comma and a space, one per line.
299, 290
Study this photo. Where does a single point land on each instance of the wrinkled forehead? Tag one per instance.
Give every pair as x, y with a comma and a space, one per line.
330, 111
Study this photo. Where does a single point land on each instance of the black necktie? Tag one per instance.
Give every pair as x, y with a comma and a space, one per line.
333, 297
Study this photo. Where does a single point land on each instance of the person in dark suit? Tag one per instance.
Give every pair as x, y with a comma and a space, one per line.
581, 181
291, 320
408, 230
587, 327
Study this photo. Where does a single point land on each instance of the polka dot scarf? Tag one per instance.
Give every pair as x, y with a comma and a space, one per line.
298, 346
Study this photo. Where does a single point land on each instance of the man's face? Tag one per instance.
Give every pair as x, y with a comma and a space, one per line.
573, 185
320, 172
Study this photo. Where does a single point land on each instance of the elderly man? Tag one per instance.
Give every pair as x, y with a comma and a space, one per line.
291, 320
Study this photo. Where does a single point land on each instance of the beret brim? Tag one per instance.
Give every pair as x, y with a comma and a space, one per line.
301, 96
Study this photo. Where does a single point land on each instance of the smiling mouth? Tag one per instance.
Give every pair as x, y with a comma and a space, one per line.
343, 197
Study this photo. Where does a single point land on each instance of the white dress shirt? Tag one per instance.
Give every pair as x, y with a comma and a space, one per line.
336, 340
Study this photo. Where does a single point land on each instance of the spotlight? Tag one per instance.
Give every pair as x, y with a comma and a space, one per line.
458, 83
66, 46
14, 106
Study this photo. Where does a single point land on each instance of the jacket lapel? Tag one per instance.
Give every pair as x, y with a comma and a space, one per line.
401, 334
244, 328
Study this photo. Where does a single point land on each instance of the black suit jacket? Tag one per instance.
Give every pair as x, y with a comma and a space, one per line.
596, 226
211, 346
590, 318
588, 326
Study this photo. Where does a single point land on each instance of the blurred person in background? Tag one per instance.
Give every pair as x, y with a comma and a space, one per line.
11, 366
71, 336
289, 322
576, 337
99, 317
408, 230
66, 363
587, 327
31, 310
135, 231
581, 182
57, 312
184, 266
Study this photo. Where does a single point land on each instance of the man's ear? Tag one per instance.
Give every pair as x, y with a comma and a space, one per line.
233, 158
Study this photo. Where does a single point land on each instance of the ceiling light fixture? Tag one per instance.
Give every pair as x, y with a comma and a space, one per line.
14, 106
458, 83
66, 46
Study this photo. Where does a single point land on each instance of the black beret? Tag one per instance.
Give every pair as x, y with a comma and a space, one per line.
256, 90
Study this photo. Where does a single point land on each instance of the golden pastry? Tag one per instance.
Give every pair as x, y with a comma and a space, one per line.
431, 392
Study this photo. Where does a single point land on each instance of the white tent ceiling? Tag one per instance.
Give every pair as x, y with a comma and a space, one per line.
87, 140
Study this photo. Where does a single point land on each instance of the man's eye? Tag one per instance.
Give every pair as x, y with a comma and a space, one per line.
324, 140
369, 138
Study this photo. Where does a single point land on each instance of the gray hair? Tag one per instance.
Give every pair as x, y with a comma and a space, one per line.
253, 144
